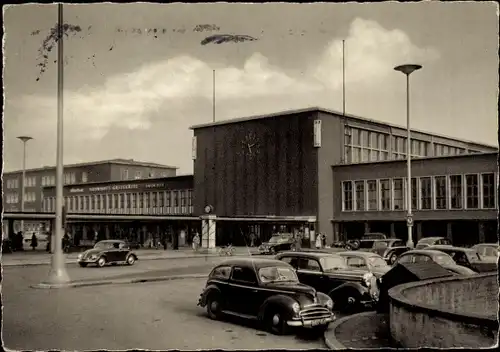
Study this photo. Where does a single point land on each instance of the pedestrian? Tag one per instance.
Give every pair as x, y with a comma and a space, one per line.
323, 240
196, 242
252, 239
34, 241
318, 241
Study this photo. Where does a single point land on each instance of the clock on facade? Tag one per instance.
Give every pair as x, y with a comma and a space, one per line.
250, 144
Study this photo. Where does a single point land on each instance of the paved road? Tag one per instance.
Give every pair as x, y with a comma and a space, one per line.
160, 315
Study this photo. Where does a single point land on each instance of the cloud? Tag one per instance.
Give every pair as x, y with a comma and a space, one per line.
137, 99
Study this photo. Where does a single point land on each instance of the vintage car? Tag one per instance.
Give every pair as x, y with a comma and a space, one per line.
278, 243
368, 261
389, 248
432, 241
266, 290
487, 250
469, 258
108, 252
349, 289
441, 258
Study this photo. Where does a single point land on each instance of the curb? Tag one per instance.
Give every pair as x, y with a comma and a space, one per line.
329, 336
119, 281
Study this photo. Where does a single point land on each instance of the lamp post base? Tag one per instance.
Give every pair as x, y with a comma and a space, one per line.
410, 244
58, 278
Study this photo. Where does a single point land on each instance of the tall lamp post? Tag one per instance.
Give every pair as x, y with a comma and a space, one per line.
58, 275
25, 140
407, 70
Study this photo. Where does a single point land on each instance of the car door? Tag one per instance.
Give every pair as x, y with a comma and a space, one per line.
244, 296
309, 273
114, 252
122, 253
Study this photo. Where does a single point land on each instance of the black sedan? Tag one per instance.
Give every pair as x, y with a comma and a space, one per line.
369, 261
278, 243
441, 258
108, 252
265, 290
349, 289
469, 258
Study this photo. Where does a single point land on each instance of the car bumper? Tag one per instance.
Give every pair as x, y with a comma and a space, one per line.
311, 323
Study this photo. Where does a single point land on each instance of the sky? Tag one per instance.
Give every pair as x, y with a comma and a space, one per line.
134, 95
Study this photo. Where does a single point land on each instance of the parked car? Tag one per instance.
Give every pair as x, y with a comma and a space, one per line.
369, 261
278, 243
432, 241
488, 250
267, 290
133, 244
389, 249
108, 252
468, 257
439, 257
349, 289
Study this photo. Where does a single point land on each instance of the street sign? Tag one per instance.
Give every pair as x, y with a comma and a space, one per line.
409, 221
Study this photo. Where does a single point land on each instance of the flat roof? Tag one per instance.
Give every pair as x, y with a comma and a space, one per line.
119, 161
142, 180
424, 158
332, 112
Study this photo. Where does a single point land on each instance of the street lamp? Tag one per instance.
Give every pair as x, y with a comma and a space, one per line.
407, 70
58, 275
25, 140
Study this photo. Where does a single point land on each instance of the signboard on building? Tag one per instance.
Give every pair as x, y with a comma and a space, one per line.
317, 133
111, 188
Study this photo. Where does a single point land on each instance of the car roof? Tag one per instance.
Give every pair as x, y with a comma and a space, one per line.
110, 241
427, 239
359, 254
315, 255
424, 251
485, 245
256, 263
451, 248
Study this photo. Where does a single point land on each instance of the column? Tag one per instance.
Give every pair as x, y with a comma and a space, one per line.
208, 231
419, 231
482, 238
367, 227
84, 232
393, 232
336, 232
449, 232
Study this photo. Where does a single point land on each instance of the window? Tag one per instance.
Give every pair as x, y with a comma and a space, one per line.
98, 202
124, 175
360, 195
221, 272
372, 194
385, 195
440, 189
175, 200
122, 200
141, 200
91, 203
115, 201
398, 194
471, 182
138, 175
308, 264
133, 203
183, 198
161, 196
414, 193
190, 197
456, 191
14, 183
243, 275
405, 258
287, 260
347, 191
425, 193
356, 262
488, 181
146, 200
168, 198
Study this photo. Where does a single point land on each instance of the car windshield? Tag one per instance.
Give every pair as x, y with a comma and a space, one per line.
277, 274
377, 262
472, 256
333, 263
103, 245
443, 259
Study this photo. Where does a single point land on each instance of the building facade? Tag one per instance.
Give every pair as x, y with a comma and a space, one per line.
100, 171
277, 169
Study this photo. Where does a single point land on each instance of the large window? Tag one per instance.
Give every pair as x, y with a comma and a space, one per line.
360, 195
488, 181
347, 192
141, 200
398, 194
85, 177
183, 198
385, 195
161, 196
456, 191
372, 194
414, 193
472, 188
362, 145
190, 198
175, 198
418, 148
168, 202
425, 193
441, 194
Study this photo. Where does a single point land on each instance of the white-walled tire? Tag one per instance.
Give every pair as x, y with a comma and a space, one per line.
130, 260
101, 262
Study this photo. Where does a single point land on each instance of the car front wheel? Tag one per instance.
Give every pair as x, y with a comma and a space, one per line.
101, 262
347, 302
214, 306
276, 323
130, 260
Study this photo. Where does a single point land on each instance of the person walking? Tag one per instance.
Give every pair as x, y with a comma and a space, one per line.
319, 240
196, 242
34, 241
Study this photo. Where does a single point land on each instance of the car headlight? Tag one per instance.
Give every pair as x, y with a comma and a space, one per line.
367, 279
329, 304
296, 307
80, 256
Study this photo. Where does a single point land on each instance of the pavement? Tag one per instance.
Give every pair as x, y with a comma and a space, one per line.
363, 330
44, 258
152, 316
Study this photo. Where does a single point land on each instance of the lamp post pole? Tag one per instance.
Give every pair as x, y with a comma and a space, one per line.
407, 70
58, 274
25, 140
